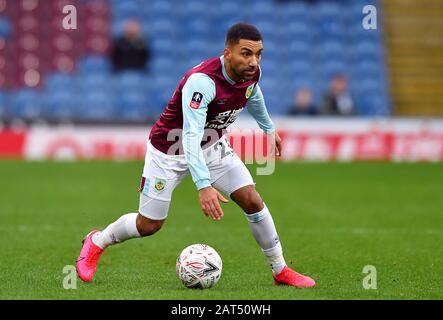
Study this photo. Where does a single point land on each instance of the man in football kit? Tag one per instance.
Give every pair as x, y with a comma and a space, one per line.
189, 137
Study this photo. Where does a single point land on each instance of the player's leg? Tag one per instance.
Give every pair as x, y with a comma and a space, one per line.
96, 242
233, 178
238, 184
150, 218
156, 189
128, 226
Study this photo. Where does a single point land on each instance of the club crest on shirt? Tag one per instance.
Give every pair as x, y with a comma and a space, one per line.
249, 91
159, 184
196, 100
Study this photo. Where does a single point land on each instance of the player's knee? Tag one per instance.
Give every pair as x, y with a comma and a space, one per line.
255, 205
147, 227
250, 200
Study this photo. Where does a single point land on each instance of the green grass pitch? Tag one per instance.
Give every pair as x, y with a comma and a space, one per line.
333, 219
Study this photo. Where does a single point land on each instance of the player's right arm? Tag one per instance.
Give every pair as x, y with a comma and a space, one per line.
197, 93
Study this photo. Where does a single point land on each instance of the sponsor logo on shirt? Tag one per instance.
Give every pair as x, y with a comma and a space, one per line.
196, 100
223, 119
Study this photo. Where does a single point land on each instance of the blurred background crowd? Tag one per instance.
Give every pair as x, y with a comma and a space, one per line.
124, 60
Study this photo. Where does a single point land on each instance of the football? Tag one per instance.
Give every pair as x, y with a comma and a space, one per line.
199, 266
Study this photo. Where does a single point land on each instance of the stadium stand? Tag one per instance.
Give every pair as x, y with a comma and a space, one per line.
415, 60
56, 74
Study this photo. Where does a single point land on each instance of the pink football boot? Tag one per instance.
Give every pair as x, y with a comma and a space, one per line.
88, 258
291, 278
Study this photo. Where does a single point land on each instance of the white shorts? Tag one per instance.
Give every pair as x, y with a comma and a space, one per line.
162, 173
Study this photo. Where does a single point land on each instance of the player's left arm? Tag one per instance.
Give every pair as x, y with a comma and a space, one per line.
257, 108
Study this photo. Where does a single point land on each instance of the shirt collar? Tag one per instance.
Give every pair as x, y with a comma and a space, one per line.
225, 74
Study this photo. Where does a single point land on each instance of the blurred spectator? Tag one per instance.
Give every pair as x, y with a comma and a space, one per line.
337, 100
302, 104
130, 51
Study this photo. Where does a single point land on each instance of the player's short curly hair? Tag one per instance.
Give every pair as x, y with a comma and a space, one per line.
242, 31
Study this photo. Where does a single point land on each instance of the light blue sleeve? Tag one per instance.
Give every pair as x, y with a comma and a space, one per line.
257, 108
194, 120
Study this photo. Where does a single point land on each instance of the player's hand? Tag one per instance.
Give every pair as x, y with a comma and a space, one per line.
209, 198
275, 142
278, 146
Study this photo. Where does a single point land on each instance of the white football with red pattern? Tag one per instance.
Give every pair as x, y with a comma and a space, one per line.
199, 266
